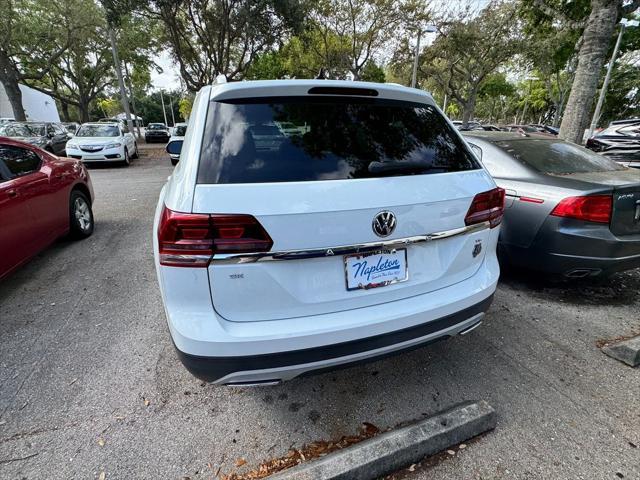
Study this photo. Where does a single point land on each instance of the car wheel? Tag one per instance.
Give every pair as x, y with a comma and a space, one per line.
135, 151
80, 216
127, 160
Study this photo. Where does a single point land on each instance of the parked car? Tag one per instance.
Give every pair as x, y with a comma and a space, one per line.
177, 133
42, 197
620, 141
49, 136
568, 211
372, 232
471, 125
7, 119
156, 132
103, 142
72, 127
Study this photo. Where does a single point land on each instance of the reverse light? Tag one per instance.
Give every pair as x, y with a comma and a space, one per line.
191, 239
592, 208
486, 206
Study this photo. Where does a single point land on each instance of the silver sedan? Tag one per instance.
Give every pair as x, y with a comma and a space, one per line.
568, 210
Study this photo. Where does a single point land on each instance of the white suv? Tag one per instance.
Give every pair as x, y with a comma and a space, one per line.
103, 142
366, 228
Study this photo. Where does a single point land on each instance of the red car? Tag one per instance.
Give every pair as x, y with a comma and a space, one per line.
42, 197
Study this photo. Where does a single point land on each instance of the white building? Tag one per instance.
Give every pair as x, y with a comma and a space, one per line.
38, 106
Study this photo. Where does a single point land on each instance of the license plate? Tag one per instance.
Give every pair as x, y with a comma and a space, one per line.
376, 269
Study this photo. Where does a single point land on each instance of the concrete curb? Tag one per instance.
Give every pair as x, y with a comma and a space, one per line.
627, 351
396, 449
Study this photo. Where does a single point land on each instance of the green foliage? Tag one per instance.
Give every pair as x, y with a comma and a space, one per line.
150, 107
373, 73
110, 107
468, 50
184, 107
220, 37
623, 96
496, 85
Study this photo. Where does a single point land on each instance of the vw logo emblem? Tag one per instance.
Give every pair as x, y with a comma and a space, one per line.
384, 224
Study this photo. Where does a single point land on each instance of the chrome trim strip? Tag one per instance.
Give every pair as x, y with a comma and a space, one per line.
233, 259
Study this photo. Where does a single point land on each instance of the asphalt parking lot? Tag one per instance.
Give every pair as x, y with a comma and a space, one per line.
90, 386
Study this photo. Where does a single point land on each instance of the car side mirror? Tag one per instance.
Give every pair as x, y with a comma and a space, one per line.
477, 150
174, 147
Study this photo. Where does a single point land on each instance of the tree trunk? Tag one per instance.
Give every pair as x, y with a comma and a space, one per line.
64, 106
84, 110
9, 79
468, 109
591, 57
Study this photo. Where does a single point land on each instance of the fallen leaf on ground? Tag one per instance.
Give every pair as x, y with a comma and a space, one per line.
451, 452
147, 402
101, 442
102, 476
239, 462
307, 452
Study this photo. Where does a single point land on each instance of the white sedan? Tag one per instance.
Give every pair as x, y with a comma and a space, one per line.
103, 142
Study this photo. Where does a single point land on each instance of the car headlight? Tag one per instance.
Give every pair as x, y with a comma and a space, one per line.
72, 145
113, 145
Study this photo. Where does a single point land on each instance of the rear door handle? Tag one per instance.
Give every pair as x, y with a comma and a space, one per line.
12, 193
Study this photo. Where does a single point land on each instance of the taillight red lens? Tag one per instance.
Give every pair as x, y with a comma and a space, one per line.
239, 234
191, 239
486, 206
593, 208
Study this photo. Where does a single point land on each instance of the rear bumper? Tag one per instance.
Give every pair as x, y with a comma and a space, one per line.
574, 248
252, 352
280, 366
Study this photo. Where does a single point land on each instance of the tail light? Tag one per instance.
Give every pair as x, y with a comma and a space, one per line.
594, 208
191, 239
486, 206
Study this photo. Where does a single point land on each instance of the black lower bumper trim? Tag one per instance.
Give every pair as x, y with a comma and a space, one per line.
213, 368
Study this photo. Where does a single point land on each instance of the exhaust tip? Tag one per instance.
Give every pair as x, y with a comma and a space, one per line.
582, 272
469, 329
255, 383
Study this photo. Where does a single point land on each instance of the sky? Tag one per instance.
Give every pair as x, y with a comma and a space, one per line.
170, 78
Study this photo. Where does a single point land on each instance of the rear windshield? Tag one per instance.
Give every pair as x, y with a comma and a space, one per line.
557, 157
296, 139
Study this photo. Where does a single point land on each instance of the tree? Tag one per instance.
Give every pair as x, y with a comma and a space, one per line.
363, 28
592, 50
84, 70
184, 106
28, 29
467, 51
110, 107
494, 92
208, 38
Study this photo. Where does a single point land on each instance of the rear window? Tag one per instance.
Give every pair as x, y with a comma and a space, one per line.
557, 157
296, 139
